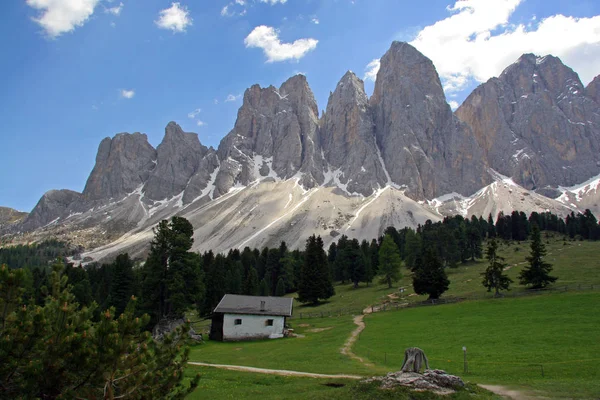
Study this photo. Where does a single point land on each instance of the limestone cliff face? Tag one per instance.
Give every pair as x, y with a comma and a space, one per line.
424, 146
183, 166
54, 204
275, 134
593, 89
348, 139
536, 123
123, 163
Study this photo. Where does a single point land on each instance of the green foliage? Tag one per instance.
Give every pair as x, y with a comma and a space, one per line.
172, 275
429, 275
537, 274
58, 351
494, 277
389, 261
40, 255
280, 289
315, 281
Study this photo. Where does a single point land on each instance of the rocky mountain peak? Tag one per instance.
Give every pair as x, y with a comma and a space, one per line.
408, 75
51, 206
348, 140
536, 123
178, 159
593, 89
123, 163
422, 143
274, 136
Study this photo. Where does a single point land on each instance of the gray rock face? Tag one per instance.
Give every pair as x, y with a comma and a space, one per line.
348, 138
593, 89
10, 216
536, 124
123, 163
275, 134
181, 159
424, 146
53, 204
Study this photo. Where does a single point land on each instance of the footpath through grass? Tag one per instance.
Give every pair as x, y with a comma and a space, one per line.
316, 350
218, 384
508, 341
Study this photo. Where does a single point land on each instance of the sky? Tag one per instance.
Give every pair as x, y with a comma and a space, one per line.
76, 71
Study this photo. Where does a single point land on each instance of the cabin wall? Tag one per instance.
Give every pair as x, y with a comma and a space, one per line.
252, 327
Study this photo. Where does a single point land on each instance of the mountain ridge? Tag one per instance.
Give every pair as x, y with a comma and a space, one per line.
397, 157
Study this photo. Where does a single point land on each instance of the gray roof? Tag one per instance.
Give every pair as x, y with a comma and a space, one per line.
238, 304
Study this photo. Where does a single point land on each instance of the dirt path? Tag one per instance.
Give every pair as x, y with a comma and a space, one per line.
347, 349
281, 372
507, 393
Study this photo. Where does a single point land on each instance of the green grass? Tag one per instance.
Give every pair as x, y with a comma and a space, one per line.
221, 384
315, 352
506, 339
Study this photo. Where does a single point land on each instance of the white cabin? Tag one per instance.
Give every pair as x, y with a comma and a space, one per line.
238, 317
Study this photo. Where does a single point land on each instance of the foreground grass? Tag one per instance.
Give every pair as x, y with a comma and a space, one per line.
222, 384
507, 341
318, 351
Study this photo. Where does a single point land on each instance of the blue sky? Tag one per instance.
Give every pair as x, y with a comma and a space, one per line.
76, 71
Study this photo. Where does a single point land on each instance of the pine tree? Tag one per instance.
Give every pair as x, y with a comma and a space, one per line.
315, 282
429, 276
172, 275
537, 274
280, 289
250, 285
389, 261
123, 283
494, 277
263, 289
58, 350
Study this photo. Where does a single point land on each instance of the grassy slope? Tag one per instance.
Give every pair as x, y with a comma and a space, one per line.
504, 339
574, 263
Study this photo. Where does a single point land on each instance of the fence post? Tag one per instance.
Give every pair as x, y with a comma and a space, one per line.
300, 315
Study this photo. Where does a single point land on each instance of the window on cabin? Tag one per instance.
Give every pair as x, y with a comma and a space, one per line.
269, 322
237, 321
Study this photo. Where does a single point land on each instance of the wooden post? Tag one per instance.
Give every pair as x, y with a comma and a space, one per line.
466, 366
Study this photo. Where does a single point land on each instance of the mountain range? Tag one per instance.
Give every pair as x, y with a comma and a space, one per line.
528, 140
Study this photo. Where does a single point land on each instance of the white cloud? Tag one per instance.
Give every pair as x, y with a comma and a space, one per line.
267, 38
272, 2
371, 70
127, 94
225, 11
315, 21
479, 40
115, 10
200, 123
232, 97
176, 18
453, 104
62, 16
194, 113
216, 101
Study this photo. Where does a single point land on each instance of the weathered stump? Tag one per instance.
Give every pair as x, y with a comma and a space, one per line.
413, 360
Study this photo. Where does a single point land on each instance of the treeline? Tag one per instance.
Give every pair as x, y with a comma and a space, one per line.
33, 255
174, 280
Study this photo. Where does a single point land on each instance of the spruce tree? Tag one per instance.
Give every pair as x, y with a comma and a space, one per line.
250, 285
429, 276
537, 274
315, 282
123, 283
280, 289
263, 289
494, 277
389, 261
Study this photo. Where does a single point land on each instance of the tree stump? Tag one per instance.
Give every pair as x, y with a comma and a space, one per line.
413, 360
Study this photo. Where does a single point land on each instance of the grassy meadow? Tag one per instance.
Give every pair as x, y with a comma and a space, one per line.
509, 340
